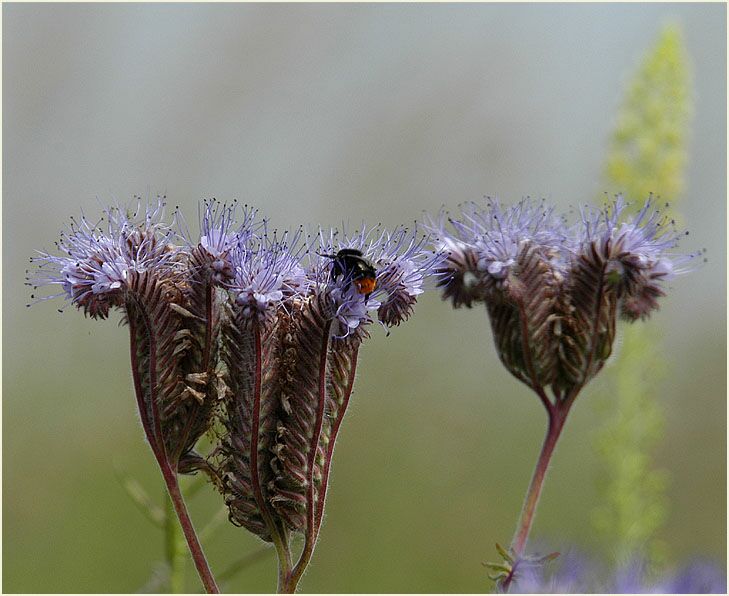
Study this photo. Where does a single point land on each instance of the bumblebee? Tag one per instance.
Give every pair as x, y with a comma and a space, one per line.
351, 264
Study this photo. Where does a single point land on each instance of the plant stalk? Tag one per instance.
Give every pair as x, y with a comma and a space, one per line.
284, 561
198, 557
557, 417
174, 549
152, 430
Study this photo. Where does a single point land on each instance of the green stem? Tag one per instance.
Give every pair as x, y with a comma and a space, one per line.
284, 562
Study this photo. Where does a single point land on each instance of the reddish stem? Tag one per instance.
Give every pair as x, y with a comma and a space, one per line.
556, 423
153, 432
332, 440
557, 412
198, 556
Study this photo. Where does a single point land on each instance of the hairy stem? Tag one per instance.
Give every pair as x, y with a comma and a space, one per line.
284, 561
198, 557
174, 549
152, 429
556, 423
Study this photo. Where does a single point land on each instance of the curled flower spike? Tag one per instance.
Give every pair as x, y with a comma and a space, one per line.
639, 251
553, 291
297, 317
266, 283
98, 264
133, 265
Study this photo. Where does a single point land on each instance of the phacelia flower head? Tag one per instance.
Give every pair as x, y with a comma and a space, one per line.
99, 261
638, 250
261, 331
373, 270
266, 270
553, 290
223, 227
484, 244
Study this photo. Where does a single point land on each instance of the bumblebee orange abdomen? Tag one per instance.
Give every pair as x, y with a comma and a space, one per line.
365, 285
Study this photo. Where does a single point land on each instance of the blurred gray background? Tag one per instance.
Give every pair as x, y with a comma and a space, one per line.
315, 114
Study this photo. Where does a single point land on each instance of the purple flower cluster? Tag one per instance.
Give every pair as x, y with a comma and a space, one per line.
98, 261
553, 289
402, 261
257, 329
484, 245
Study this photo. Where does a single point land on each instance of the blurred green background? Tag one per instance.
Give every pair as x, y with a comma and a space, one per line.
315, 114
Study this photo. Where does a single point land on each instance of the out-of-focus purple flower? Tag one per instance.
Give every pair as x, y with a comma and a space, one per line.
98, 262
571, 573
699, 577
574, 573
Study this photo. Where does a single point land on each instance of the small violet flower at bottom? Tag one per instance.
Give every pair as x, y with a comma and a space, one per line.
577, 574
